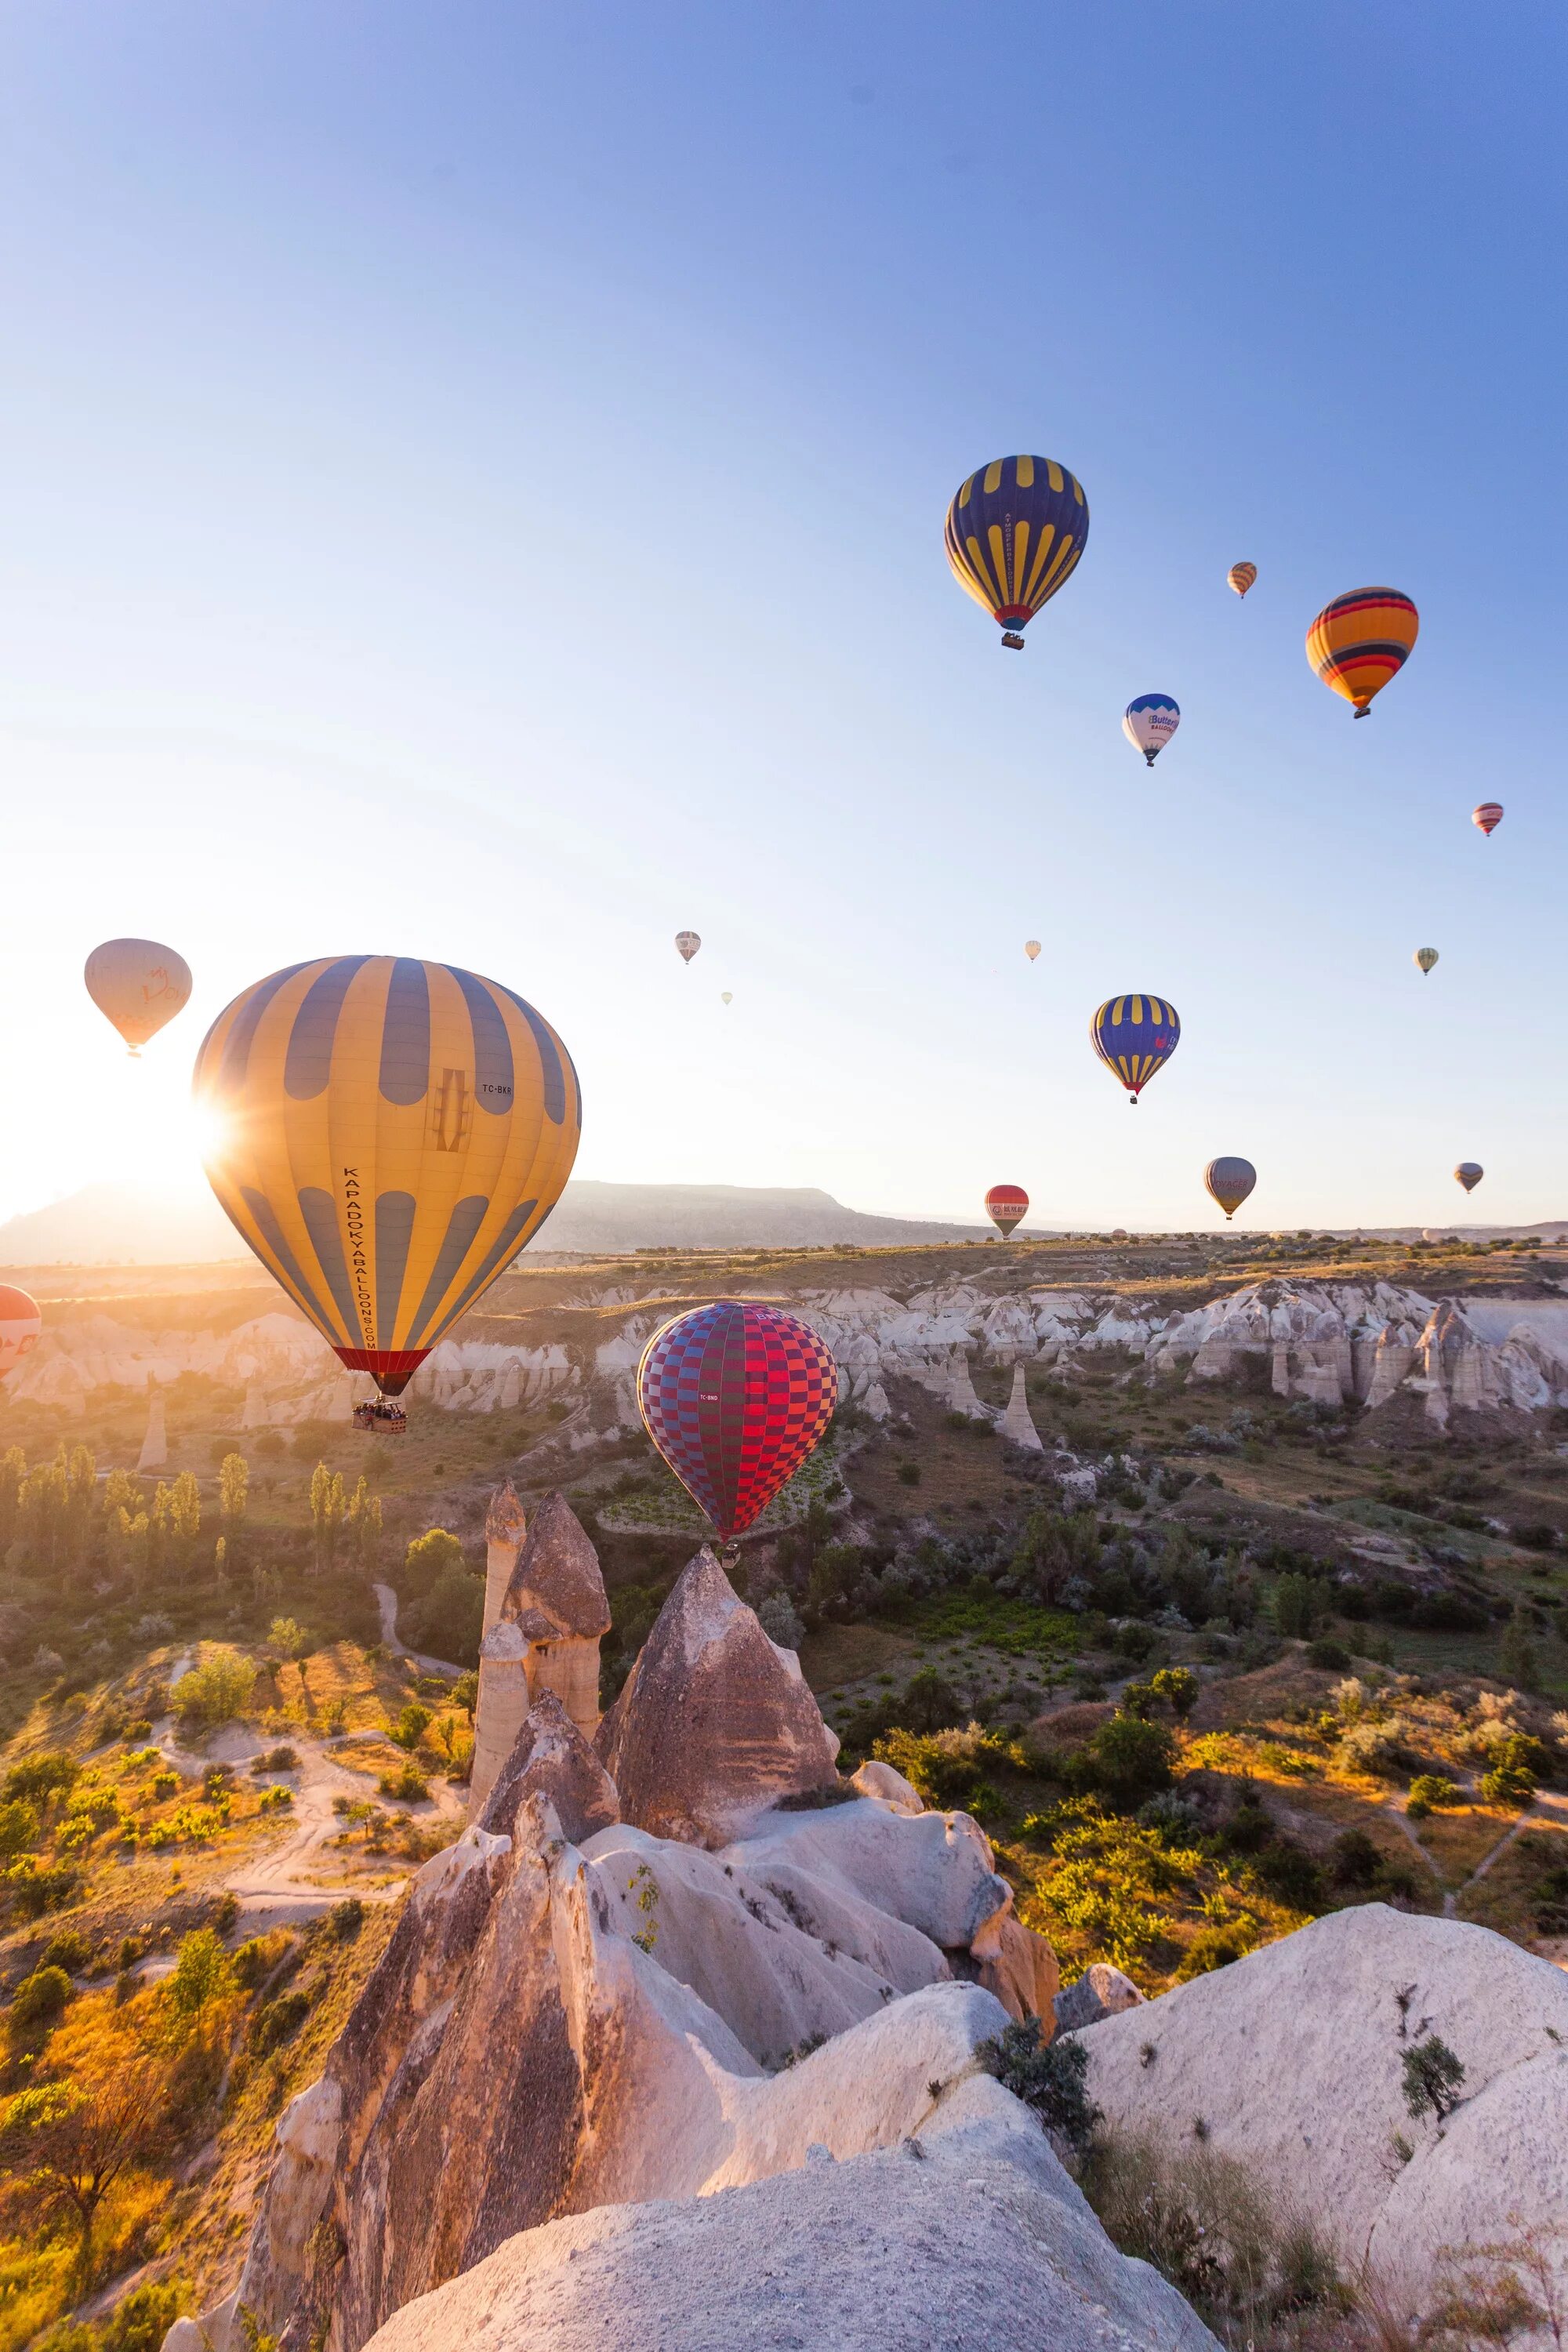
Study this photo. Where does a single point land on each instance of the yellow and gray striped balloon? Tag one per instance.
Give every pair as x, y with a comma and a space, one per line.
387, 1135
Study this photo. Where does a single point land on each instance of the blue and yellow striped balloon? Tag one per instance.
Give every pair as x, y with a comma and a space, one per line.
1134, 1036
1014, 533
386, 1136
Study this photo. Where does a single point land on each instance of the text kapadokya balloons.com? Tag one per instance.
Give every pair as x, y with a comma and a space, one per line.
1468, 1173
1488, 816
20, 1324
1425, 958
686, 945
1228, 1181
1006, 1205
1014, 533
139, 985
387, 1135
1361, 641
1135, 1035
735, 1396
1241, 577
1150, 721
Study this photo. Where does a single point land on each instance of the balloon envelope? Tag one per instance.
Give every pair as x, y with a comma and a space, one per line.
726, 997
1135, 1035
388, 1135
1488, 816
1031, 949
686, 945
1230, 1182
1359, 642
1241, 577
139, 985
1006, 1205
20, 1324
1014, 533
1425, 958
735, 1396
1150, 721
1468, 1173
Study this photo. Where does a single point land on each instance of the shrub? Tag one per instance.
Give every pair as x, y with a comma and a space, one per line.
41, 1999
275, 1801
202, 1972
35, 1891
40, 1779
1178, 1687
1212, 1948
1331, 1655
948, 1767
1508, 1782
1048, 2076
1125, 1761
346, 1919
411, 1726
1290, 1875
288, 1639
141, 2320
908, 1474
20, 1828
276, 2021
1356, 1859
407, 1785
1429, 1792
1298, 1607
1372, 1749
68, 1950
217, 1691
258, 1957
780, 1622
1432, 2078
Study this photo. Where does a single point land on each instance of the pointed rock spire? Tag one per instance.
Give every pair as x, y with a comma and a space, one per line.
505, 1527
154, 1452
1018, 1422
549, 1758
715, 1724
557, 1571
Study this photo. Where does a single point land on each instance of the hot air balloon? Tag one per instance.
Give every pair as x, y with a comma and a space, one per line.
1150, 722
1230, 1182
1031, 949
1468, 1173
1006, 1205
1241, 577
726, 997
1014, 533
1425, 958
735, 1396
1358, 642
686, 945
388, 1135
138, 985
1134, 1036
20, 1324
1488, 816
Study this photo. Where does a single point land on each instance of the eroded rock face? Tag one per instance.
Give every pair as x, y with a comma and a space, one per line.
552, 1759
557, 1571
1293, 2059
1100, 1991
715, 1724
970, 2235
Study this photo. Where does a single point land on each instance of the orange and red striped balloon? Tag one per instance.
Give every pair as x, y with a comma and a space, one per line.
1488, 816
1360, 640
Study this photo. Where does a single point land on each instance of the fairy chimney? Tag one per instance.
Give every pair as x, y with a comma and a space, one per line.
505, 1527
154, 1450
551, 1615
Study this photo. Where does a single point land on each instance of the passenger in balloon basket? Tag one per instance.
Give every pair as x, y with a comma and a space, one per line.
383, 1415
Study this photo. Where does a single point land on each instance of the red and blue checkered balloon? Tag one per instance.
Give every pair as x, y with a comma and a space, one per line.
735, 1396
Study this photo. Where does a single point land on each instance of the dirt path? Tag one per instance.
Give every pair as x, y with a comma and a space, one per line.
386, 1602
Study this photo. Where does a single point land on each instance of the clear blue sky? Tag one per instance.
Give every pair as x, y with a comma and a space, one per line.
474, 489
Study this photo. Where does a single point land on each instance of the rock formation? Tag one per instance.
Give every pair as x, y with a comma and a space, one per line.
714, 1723
1100, 1991
969, 2234
550, 1611
1293, 2059
505, 1527
154, 1452
1017, 1425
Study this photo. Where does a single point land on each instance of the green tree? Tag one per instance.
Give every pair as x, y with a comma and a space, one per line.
428, 1558
1432, 2078
185, 1516
1517, 1658
71, 2139
20, 1828
287, 1638
233, 1500
202, 1973
326, 1516
364, 1527
217, 1691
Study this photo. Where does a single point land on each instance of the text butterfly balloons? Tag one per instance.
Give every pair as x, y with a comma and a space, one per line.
1149, 722
735, 1396
388, 1135
1014, 533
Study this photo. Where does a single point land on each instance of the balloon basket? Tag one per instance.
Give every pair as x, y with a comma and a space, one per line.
1013, 641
